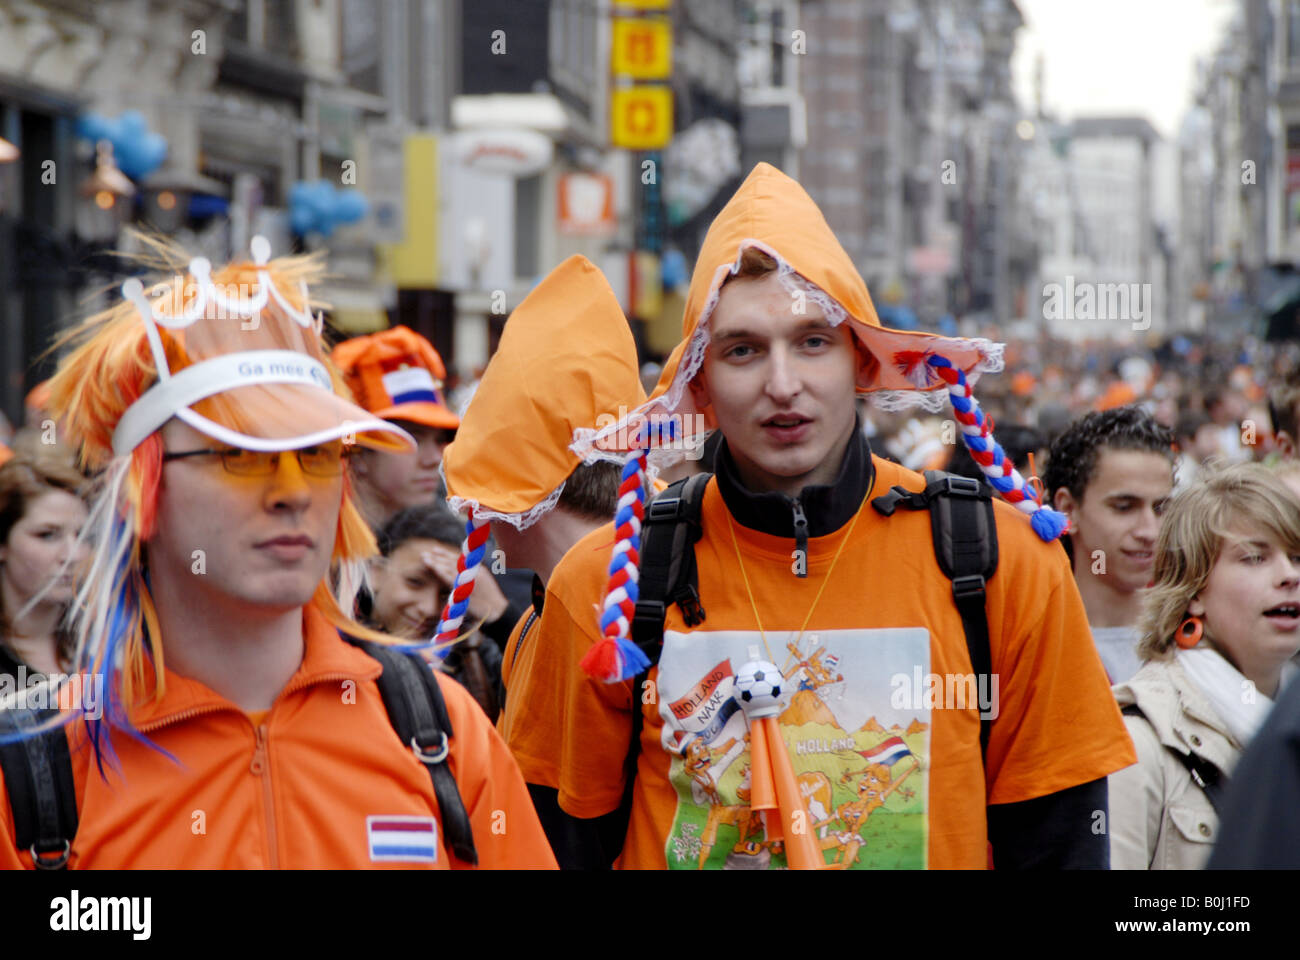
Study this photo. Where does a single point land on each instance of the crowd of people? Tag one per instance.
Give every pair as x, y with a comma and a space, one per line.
320, 615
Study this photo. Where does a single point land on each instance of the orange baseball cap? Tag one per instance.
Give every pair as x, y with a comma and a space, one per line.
397, 375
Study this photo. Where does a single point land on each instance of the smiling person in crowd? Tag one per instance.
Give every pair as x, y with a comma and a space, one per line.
1111, 473
410, 581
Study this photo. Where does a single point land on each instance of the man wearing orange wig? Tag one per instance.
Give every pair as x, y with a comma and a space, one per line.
208, 409
807, 712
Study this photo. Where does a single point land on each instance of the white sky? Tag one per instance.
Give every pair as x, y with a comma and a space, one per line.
1117, 57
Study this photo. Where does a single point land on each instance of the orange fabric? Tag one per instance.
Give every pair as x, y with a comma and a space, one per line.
1023, 383
329, 760
1057, 725
1117, 394
520, 674
376, 365
566, 361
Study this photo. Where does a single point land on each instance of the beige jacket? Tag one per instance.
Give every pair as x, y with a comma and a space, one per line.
1159, 818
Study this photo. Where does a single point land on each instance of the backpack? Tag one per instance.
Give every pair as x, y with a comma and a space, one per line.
38, 770
962, 523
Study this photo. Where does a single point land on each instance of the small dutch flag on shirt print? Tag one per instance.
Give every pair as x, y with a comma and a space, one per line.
404, 839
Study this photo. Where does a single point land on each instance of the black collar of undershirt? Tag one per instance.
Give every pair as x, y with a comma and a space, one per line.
827, 507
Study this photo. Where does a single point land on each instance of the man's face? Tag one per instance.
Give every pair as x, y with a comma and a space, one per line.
408, 595
781, 384
404, 480
265, 541
1119, 515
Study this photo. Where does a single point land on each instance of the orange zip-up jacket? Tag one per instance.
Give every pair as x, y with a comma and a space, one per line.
321, 781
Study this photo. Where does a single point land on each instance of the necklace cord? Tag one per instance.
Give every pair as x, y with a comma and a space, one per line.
817, 599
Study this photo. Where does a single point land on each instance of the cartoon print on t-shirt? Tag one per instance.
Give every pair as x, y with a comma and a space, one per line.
859, 762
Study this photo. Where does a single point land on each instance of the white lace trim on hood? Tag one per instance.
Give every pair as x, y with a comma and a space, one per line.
586, 441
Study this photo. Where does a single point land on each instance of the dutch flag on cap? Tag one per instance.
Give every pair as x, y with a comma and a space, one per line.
411, 384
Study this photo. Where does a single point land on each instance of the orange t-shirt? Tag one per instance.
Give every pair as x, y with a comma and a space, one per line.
882, 733
320, 780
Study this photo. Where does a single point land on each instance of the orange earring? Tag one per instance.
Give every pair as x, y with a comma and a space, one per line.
1189, 632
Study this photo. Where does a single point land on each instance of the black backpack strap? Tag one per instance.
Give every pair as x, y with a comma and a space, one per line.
42, 792
964, 529
667, 573
528, 625
534, 614
419, 715
1204, 774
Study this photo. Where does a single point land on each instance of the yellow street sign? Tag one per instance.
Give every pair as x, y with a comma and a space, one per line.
642, 49
641, 118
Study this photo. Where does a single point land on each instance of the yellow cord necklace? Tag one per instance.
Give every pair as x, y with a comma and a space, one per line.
826, 579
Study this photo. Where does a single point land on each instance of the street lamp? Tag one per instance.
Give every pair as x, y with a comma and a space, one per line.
109, 191
167, 197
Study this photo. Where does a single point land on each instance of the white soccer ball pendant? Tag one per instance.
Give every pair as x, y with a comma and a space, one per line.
759, 687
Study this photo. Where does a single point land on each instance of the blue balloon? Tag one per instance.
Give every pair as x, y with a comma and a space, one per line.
300, 220
319, 206
137, 150
132, 124
155, 151
350, 206
94, 127
129, 158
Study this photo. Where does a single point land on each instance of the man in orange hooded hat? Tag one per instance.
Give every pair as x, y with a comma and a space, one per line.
816, 606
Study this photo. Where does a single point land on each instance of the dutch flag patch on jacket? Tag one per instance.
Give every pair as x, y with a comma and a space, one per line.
404, 839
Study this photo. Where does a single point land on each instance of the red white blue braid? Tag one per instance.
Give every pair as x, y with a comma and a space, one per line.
467, 567
977, 432
616, 657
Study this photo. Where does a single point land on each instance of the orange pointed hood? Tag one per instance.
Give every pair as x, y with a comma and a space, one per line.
566, 365
773, 213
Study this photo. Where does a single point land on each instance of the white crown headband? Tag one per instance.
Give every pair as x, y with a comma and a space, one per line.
172, 395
